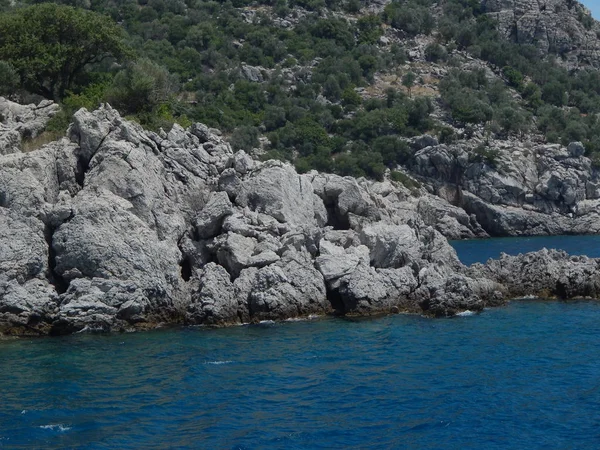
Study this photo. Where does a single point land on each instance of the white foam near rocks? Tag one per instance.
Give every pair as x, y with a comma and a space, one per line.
56, 427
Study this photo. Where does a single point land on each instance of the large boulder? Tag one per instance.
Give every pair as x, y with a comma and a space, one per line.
105, 240
215, 302
277, 190
289, 288
209, 220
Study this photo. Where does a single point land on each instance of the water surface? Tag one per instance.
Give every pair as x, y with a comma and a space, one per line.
480, 250
523, 376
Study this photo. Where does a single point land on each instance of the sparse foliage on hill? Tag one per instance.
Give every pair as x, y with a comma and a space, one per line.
306, 74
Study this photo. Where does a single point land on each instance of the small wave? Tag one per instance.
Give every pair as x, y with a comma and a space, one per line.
24, 411
218, 363
56, 427
313, 316
466, 313
90, 329
266, 322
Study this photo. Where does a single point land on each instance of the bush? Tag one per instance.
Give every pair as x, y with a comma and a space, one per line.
393, 151
141, 87
350, 97
51, 45
9, 79
244, 138
435, 53
407, 181
486, 155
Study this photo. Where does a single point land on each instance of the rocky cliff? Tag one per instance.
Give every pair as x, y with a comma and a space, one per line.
519, 188
114, 227
559, 27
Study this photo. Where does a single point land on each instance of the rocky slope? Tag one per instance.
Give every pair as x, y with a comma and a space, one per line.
115, 228
526, 188
553, 26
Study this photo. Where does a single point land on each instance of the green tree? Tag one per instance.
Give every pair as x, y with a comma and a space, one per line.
142, 86
49, 45
408, 81
8, 78
435, 53
244, 138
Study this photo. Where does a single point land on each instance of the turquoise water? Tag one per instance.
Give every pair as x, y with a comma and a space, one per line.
524, 376
480, 250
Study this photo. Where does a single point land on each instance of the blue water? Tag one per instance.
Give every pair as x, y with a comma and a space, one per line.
480, 250
526, 376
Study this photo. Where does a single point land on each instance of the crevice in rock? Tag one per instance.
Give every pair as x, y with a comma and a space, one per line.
83, 164
334, 218
63, 327
561, 290
60, 284
337, 303
82, 168
186, 269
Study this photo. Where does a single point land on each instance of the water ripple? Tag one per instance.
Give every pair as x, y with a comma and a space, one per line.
525, 376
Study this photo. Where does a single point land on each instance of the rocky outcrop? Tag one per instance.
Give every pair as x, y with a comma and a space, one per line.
19, 122
546, 273
511, 188
560, 27
118, 228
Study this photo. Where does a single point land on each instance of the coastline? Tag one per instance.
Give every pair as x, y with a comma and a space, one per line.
116, 228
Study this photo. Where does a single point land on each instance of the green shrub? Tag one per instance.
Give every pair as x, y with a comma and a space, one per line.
244, 138
141, 87
435, 53
407, 181
486, 155
9, 79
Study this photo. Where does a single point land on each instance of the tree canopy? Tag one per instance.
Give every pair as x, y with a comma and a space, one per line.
49, 45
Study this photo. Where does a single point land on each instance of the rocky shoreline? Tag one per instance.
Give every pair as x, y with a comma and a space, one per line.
117, 228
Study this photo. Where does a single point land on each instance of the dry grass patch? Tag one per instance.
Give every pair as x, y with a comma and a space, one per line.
31, 144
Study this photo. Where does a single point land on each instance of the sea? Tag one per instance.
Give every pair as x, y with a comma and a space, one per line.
524, 376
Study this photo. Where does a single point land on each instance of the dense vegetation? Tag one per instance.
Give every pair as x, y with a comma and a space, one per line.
291, 71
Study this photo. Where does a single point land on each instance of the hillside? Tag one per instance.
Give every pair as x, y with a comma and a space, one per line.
336, 86
474, 102
450, 127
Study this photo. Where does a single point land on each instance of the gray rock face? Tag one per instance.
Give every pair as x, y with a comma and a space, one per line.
525, 190
553, 26
18, 122
564, 276
214, 303
253, 74
449, 220
26, 295
209, 220
278, 191
119, 228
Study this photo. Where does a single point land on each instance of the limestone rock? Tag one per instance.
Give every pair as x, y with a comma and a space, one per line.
289, 288
545, 273
120, 228
215, 302
553, 26
104, 240
208, 222
277, 190
18, 122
